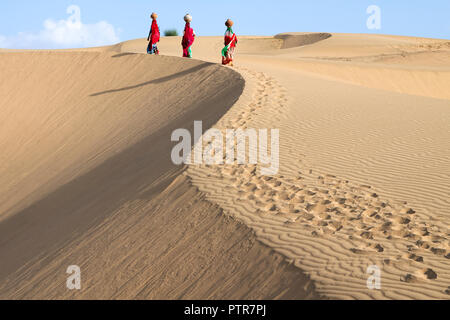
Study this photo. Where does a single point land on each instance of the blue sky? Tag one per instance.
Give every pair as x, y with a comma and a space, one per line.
44, 23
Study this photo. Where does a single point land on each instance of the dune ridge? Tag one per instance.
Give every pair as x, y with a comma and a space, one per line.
293, 40
88, 180
82, 125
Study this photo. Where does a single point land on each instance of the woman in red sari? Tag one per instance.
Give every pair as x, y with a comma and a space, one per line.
230, 44
153, 36
188, 37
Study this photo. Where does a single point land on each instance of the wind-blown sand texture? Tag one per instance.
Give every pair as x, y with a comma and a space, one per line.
365, 150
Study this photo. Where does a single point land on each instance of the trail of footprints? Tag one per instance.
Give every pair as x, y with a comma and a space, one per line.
327, 205
268, 92
335, 206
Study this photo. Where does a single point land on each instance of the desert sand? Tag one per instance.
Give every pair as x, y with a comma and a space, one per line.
364, 180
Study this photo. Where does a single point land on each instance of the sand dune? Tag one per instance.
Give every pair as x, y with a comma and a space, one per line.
84, 111
364, 176
88, 180
294, 40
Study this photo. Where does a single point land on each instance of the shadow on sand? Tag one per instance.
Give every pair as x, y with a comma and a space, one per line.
83, 203
156, 81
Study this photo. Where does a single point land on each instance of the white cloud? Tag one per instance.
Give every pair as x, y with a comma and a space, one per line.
70, 33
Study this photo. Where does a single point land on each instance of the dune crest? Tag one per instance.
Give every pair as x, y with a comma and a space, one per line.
293, 40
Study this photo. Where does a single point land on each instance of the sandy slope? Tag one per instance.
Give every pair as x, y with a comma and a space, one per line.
171, 245
87, 179
364, 124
